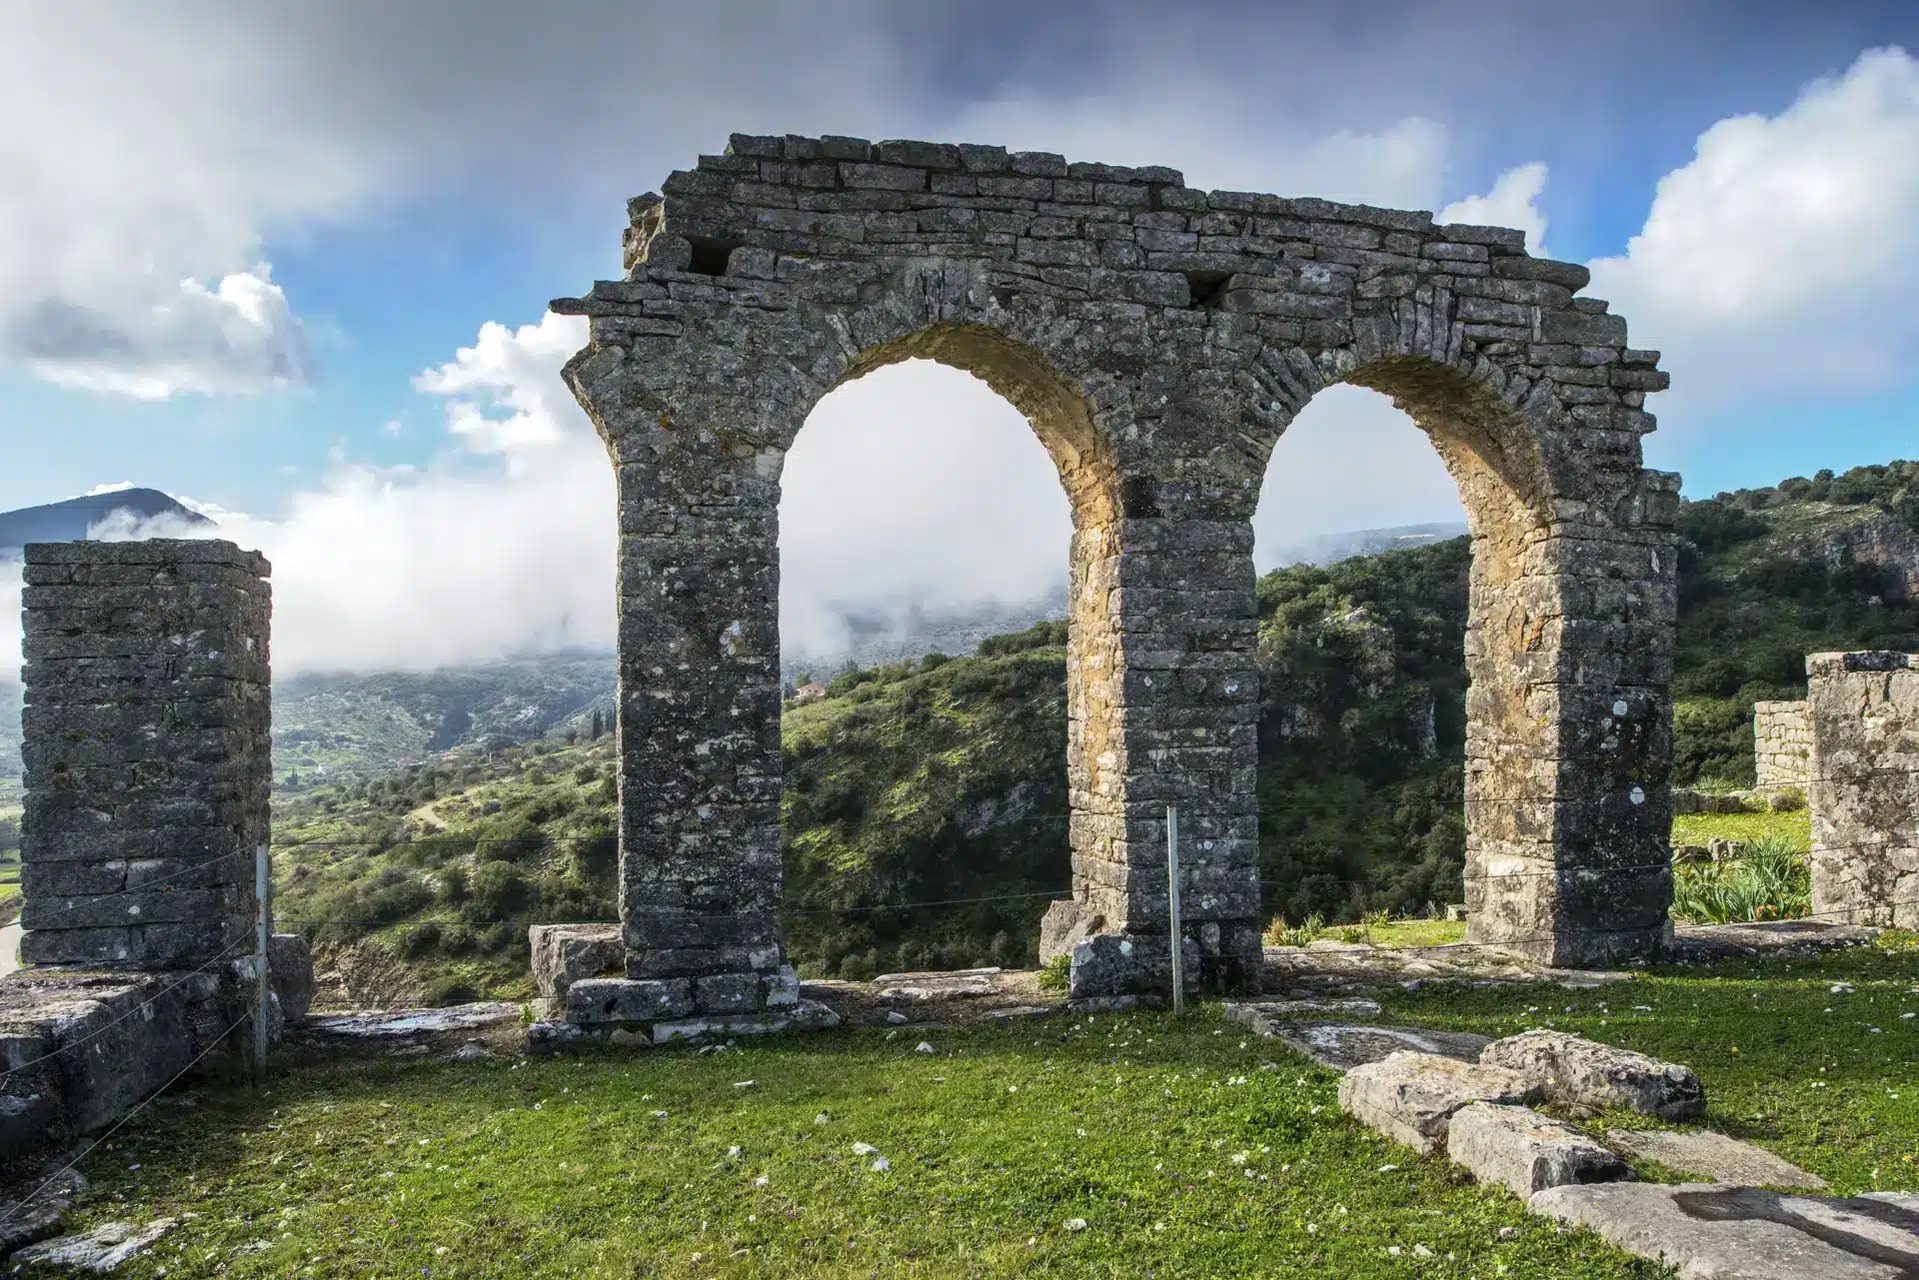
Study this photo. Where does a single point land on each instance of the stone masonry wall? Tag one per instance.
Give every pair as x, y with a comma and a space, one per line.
1159, 339
1781, 744
147, 752
1864, 791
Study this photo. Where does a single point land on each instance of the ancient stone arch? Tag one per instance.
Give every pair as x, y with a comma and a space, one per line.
1160, 339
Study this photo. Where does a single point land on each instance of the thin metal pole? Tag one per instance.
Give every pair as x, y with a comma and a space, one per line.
1172, 906
261, 887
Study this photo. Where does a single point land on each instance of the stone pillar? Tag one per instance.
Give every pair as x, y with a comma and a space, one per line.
1569, 738
147, 751
699, 726
1181, 728
1781, 745
1864, 792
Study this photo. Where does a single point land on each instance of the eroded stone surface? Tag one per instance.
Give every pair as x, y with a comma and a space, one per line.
36, 1212
807, 1015
1065, 925
1585, 1074
1411, 1097
1524, 1151
1159, 338
1343, 1046
399, 1023
101, 1249
1710, 1232
1714, 1155
565, 953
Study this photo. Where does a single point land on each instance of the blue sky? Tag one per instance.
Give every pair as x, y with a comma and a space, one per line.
358, 189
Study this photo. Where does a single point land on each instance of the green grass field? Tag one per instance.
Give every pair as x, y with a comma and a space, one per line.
1187, 1147
1795, 828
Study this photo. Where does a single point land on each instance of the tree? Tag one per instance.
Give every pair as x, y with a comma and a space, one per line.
599, 724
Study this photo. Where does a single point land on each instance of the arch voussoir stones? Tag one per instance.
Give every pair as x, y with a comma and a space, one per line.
1159, 339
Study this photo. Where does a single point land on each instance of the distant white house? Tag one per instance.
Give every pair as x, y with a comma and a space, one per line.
808, 692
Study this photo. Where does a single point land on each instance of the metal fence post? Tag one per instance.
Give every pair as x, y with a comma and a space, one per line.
1172, 906
262, 886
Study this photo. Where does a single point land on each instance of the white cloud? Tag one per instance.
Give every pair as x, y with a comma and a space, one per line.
1350, 460
1513, 202
914, 485
1785, 256
238, 337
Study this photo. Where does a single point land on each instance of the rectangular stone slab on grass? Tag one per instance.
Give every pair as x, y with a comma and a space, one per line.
1586, 1074
1343, 1046
1410, 1097
1714, 1155
1524, 1151
1709, 1232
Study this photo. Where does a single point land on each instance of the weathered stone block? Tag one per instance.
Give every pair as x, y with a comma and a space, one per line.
1582, 1073
1065, 925
727, 993
291, 963
780, 989
1411, 1097
565, 953
596, 1000
1524, 1151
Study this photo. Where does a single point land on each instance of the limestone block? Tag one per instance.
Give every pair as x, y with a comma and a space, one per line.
1524, 1151
1411, 1096
1864, 792
597, 1000
727, 993
1714, 1155
807, 1015
565, 953
1707, 1232
1582, 1073
1065, 925
544, 1039
102, 1249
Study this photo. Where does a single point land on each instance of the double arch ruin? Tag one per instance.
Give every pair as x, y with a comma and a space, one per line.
1159, 339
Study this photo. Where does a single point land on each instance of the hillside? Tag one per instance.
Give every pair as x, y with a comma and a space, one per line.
369, 722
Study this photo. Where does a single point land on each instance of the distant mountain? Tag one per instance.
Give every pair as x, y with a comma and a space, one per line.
69, 521
370, 721
1330, 548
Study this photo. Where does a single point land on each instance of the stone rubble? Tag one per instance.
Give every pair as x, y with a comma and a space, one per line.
1524, 1151
1343, 1046
101, 1249
1588, 1076
1411, 1097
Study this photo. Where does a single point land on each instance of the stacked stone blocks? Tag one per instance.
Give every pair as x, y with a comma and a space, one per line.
1864, 793
146, 749
1781, 745
1159, 339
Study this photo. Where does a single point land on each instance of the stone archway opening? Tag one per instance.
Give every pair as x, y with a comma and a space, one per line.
1360, 548
920, 514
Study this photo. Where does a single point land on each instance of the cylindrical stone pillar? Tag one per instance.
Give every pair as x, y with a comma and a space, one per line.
1864, 791
147, 751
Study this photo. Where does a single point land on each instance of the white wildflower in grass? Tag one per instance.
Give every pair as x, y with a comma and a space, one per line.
882, 1164
1074, 1224
865, 1149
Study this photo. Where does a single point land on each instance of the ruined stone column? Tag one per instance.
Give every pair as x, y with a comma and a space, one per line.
1569, 736
1181, 729
1864, 791
147, 751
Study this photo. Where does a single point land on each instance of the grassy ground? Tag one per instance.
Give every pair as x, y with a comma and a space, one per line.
1700, 828
1188, 1148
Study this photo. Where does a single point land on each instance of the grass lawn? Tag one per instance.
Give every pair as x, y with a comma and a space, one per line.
1188, 1148
1699, 828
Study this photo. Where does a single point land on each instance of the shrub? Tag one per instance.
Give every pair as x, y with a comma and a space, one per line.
1056, 975
498, 890
860, 968
1768, 879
